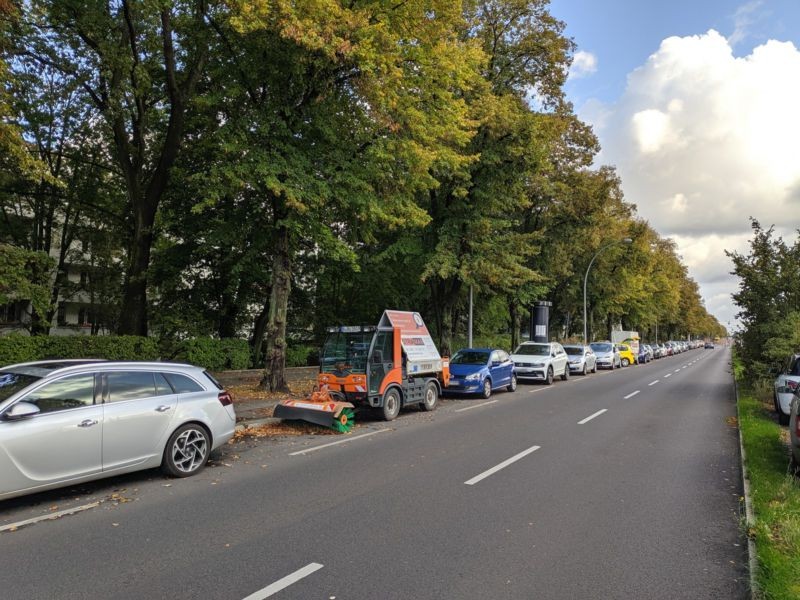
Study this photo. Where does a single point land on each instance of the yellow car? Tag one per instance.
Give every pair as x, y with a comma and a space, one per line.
626, 356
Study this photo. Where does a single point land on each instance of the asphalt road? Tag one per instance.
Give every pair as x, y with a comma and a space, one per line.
522, 497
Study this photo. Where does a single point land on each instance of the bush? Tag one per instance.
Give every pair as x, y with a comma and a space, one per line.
298, 356
16, 348
497, 340
214, 354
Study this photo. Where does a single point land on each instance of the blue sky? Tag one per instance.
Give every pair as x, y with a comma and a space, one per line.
697, 105
623, 33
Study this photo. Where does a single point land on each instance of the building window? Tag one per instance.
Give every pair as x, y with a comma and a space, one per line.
83, 316
84, 278
8, 313
61, 317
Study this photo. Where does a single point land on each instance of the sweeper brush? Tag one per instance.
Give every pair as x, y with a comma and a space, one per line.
323, 407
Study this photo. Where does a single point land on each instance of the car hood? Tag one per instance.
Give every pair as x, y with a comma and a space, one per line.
462, 370
529, 358
603, 354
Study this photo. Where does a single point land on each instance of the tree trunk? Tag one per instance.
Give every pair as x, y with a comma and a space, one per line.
446, 338
513, 311
274, 378
133, 313
259, 327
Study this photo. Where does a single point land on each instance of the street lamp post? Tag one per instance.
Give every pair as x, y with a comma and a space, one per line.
586, 279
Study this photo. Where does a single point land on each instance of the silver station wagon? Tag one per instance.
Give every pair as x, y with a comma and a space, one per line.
64, 422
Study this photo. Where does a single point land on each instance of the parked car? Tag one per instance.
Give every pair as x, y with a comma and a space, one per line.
541, 361
607, 355
481, 370
65, 422
786, 383
709, 346
794, 430
626, 355
644, 355
581, 359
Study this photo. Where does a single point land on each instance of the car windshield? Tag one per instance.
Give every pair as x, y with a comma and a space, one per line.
346, 351
533, 349
11, 383
601, 347
470, 357
573, 350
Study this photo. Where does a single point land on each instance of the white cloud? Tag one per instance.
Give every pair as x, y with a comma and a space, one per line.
743, 19
704, 139
583, 65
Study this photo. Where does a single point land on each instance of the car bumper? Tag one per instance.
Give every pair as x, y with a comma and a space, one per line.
530, 373
464, 387
577, 367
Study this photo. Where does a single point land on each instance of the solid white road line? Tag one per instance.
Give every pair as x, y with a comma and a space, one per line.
285, 582
475, 406
350, 439
632, 394
667, 375
502, 465
590, 417
652, 383
49, 516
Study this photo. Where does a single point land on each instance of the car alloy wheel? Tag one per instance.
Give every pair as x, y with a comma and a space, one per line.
513, 385
487, 388
187, 451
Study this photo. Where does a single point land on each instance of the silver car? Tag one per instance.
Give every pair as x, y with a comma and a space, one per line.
65, 422
581, 359
607, 355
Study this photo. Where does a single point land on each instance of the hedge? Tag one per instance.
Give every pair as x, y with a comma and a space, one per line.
213, 354
16, 348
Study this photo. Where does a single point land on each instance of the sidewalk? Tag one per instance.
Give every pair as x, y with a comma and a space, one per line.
254, 406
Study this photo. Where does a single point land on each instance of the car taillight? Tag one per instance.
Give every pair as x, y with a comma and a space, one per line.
224, 398
792, 385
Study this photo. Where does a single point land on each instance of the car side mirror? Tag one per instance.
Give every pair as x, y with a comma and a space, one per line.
552, 354
21, 410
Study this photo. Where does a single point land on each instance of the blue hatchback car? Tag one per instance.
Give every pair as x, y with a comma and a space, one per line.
481, 370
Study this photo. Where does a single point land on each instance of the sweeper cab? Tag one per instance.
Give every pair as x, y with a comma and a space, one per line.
387, 367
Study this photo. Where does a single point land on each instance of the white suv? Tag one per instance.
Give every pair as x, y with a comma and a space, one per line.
540, 361
787, 381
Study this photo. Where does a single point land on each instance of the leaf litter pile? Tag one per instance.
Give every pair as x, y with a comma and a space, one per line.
283, 428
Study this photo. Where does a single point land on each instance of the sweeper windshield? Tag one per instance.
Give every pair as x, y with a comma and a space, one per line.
346, 351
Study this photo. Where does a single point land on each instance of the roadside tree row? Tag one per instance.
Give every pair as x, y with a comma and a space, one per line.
263, 169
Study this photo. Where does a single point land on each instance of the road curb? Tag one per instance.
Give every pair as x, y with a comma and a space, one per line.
750, 520
256, 422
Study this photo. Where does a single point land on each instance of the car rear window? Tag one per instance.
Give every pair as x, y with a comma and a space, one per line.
213, 380
795, 367
11, 383
182, 384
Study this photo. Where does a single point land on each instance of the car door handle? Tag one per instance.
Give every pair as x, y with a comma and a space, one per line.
163, 408
88, 423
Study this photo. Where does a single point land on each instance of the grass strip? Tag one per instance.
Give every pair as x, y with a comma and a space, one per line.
775, 493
